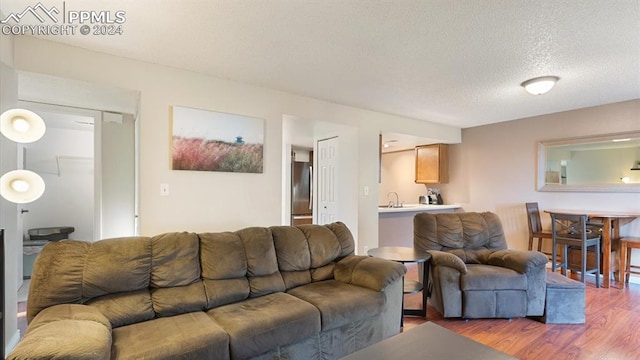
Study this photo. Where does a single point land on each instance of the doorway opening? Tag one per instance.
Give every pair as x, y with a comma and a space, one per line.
64, 159
302, 186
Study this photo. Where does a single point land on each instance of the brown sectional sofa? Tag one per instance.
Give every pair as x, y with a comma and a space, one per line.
280, 292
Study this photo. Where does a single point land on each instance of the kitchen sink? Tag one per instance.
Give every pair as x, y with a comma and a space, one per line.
397, 207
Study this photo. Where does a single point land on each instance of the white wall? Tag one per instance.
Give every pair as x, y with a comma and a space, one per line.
212, 201
68, 197
398, 175
493, 169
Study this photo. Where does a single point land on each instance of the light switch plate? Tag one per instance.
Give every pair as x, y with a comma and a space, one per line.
164, 189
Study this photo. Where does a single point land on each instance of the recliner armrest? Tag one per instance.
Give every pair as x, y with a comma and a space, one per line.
66, 331
442, 258
370, 272
521, 261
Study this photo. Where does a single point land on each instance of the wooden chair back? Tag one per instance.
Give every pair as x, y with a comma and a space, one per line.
533, 216
570, 230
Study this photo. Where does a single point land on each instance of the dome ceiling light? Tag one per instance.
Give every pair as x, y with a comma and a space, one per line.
540, 85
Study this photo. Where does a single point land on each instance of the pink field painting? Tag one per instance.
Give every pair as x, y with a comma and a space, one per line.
212, 141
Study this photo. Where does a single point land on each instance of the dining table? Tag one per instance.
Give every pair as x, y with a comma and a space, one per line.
611, 221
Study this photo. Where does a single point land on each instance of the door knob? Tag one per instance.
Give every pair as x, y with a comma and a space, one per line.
22, 211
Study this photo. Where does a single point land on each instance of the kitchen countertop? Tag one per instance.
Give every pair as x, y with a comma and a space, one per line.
416, 208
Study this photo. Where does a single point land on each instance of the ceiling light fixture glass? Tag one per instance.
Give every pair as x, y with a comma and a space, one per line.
22, 126
21, 186
539, 85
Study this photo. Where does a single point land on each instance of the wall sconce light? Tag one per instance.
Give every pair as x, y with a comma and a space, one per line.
21, 186
539, 85
21, 126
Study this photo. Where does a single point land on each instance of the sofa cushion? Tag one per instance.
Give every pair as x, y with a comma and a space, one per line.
257, 325
488, 277
262, 264
66, 331
369, 272
292, 248
117, 265
91, 270
296, 278
294, 259
175, 274
125, 308
353, 303
48, 287
247, 254
344, 237
180, 299
221, 292
472, 256
222, 256
176, 259
308, 253
494, 304
65, 339
323, 245
449, 231
224, 268
188, 336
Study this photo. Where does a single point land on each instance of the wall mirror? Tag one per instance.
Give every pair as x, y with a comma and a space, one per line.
602, 163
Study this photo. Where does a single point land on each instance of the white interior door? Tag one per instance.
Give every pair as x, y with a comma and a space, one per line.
327, 185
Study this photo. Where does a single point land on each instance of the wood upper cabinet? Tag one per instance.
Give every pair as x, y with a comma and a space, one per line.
432, 164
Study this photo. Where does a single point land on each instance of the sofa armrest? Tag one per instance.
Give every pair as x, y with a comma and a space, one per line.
370, 272
521, 261
442, 258
533, 265
66, 331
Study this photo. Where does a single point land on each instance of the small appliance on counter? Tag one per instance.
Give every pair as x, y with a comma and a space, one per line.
432, 198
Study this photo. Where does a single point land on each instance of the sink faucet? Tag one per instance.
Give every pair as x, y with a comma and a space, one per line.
397, 203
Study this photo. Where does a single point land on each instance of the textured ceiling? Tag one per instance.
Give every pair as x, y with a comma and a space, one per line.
453, 62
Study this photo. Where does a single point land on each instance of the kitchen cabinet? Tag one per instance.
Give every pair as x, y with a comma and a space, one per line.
432, 164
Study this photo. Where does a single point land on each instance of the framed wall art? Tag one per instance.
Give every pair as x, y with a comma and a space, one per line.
213, 141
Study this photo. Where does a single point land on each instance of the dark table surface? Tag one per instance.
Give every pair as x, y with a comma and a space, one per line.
428, 341
400, 254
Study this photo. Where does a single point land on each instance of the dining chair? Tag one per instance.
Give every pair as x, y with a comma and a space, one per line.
535, 226
626, 268
570, 230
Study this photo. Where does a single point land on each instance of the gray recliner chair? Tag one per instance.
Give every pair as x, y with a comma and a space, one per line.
472, 273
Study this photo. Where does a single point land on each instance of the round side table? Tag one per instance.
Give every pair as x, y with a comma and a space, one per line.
408, 255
